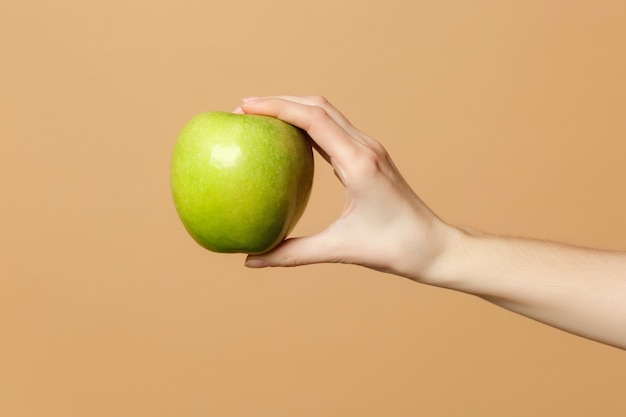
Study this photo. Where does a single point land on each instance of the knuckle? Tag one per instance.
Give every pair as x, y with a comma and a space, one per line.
370, 161
319, 115
378, 148
367, 163
320, 101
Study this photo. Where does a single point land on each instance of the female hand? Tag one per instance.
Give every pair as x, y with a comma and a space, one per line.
384, 225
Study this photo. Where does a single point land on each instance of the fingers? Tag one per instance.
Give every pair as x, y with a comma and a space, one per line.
317, 101
323, 124
296, 251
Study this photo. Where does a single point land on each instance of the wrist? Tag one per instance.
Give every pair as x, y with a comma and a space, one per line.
447, 268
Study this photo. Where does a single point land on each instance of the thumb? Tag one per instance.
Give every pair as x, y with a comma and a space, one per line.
296, 251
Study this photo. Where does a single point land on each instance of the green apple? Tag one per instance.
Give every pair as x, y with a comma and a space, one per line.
241, 182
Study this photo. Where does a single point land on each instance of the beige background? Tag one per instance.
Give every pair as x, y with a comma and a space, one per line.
505, 116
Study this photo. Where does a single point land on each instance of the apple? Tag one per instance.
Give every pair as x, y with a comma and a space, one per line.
240, 182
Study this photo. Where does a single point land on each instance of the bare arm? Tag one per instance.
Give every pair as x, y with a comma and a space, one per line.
385, 226
582, 291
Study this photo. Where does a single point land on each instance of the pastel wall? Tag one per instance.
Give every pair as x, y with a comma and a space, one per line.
504, 116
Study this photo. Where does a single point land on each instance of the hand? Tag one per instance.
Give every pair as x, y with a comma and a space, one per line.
384, 225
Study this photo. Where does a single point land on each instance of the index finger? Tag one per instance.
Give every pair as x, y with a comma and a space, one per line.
332, 138
322, 102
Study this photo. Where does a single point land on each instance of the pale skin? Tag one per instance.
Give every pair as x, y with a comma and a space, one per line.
385, 226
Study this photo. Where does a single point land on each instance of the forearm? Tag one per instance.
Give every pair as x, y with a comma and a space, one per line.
582, 291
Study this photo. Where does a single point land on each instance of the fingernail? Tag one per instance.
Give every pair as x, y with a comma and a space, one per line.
256, 263
238, 110
252, 99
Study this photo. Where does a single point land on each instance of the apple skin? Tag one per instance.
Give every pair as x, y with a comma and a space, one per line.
240, 182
